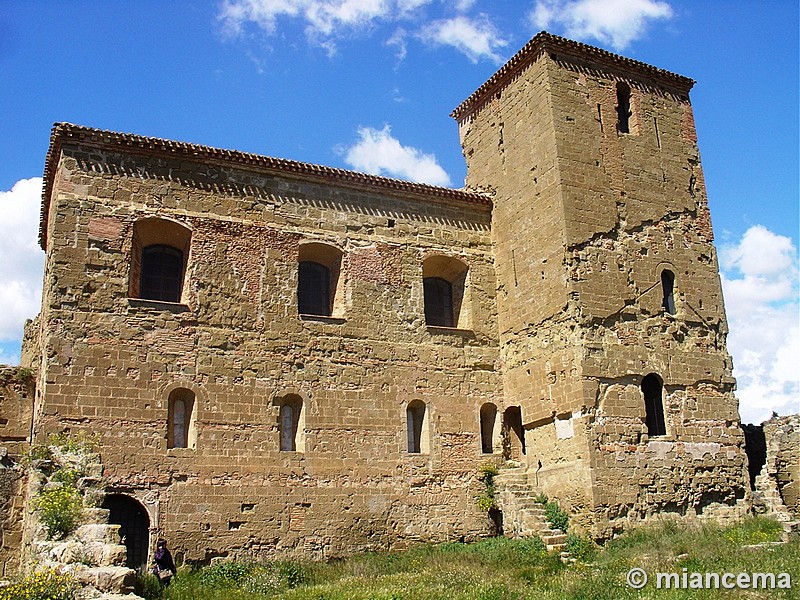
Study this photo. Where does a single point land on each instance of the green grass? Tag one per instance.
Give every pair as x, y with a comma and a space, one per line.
502, 569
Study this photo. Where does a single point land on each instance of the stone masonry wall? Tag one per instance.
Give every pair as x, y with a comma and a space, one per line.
782, 465
237, 342
588, 219
16, 397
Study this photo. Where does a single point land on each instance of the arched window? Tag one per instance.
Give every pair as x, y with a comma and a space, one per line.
667, 288
291, 424
417, 427
313, 289
623, 107
438, 302
162, 273
159, 257
318, 270
181, 422
653, 405
488, 416
444, 285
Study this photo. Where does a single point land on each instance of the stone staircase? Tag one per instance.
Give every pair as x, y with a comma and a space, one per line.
767, 500
522, 515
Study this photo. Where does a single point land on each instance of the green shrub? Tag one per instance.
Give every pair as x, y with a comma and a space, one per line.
581, 548
23, 375
541, 498
59, 510
148, 586
43, 585
66, 476
226, 573
485, 500
557, 517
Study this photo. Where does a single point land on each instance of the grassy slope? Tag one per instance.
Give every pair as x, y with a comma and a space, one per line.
501, 569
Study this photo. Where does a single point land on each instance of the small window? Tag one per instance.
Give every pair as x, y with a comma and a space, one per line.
667, 288
181, 422
417, 427
653, 405
162, 273
291, 424
488, 417
314, 289
444, 283
623, 107
438, 302
318, 279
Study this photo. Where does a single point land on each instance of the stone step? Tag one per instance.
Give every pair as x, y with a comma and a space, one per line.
108, 534
555, 540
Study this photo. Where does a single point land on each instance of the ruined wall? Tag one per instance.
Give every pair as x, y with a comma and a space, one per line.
782, 464
16, 397
237, 342
591, 218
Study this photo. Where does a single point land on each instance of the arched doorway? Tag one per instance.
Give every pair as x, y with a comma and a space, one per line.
513, 434
134, 529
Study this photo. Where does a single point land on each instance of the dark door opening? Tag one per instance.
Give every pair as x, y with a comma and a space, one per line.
134, 529
513, 434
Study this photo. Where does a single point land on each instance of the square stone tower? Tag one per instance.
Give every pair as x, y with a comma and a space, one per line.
612, 326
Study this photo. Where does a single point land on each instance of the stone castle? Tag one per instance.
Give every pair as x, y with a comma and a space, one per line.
281, 357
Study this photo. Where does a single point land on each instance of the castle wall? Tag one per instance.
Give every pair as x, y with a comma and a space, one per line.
237, 342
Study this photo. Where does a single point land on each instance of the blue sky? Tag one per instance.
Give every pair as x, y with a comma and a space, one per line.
369, 85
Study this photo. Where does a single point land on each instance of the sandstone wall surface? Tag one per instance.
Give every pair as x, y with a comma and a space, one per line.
16, 399
236, 341
590, 219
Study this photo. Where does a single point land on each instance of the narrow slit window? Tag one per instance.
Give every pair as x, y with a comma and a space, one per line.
654, 405
415, 423
668, 291
181, 423
291, 425
623, 107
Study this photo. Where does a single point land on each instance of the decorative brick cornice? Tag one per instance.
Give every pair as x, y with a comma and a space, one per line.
565, 49
125, 143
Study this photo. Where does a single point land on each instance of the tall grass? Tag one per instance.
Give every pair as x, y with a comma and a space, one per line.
502, 569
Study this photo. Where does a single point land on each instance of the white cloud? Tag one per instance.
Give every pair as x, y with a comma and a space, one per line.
476, 38
613, 22
327, 21
398, 41
760, 282
324, 19
23, 260
377, 152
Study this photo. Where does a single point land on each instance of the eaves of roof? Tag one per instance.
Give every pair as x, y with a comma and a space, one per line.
69, 134
545, 42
